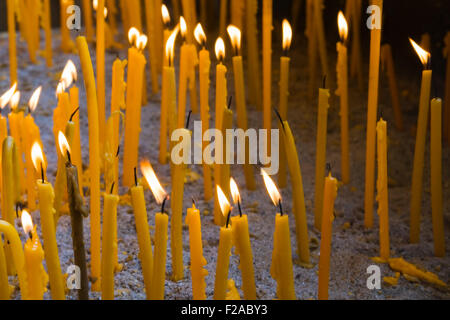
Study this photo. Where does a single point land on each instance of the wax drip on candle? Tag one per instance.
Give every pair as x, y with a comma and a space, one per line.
188, 119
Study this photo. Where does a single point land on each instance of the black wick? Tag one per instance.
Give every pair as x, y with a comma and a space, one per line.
135, 177
69, 159
281, 207
42, 173
74, 113
228, 218
279, 118
324, 82
118, 152
188, 119
112, 187
239, 206
164, 204
329, 168
230, 99
18, 206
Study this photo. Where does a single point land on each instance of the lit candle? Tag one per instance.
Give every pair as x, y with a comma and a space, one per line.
204, 74
158, 35
243, 247
374, 72
166, 21
356, 66
224, 249
150, 16
15, 118
12, 42
281, 269
241, 107
87, 12
436, 177
254, 74
184, 70
76, 141
321, 149
382, 189
419, 152
330, 193
136, 65
284, 94
342, 92
267, 71
320, 34
99, 6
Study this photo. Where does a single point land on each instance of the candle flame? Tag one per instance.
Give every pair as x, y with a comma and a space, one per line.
170, 45
287, 35
220, 49
343, 26
15, 99
165, 14
200, 34
235, 191
271, 188
27, 222
63, 143
59, 88
183, 27
235, 37
69, 74
141, 42
6, 97
37, 156
225, 206
149, 174
133, 35
424, 56
95, 4
32, 104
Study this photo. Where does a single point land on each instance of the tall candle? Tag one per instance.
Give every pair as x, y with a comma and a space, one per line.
447, 89
183, 78
150, 15
356, 66
87, 12
382, 189
254, 74
267, 70
48, 33
76, 142
67, 44
320, 34
12, 42
100, 63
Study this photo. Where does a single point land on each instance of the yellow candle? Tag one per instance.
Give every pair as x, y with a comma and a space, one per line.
374, 72
224, 250
136, 65
320, 34
159, 266
100, 63
108, 245
330, 193
254, 74
67, 44
76, 141
87, 12
237, 8
12, 42
447, 88
198, 262
382, 189
321, 148
419, 152
223, 17
48, 33
241, 107
15, 127
94, 159
5, 288
204, 74
436, 177
356, 66
184, 70
312, 47
342, 92
267, 69
61, 177
158, 34
150, 16
192, 76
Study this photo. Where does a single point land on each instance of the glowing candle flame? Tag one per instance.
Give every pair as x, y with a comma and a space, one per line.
15, 99
287, 35
69, 74
34, 100
183, 27
60, 89
149, 174
141, 42
220, 49
133, 35
271, 188
63, 143
235, 191
6, 97
27, 222
225, 206
170, 46
165, 15
200, 34
343, 26
95, 4
424, 56
37, 156
235, 37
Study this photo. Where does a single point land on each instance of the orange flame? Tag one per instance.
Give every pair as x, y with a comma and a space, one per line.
183, 27
271, 188
225, 206
15, 99
235, 37
133, 35
6, 97
200, 34
235, 191
170, 45
343, 26
424, 56
37, 156
69, 74
149, 174
141, 42
34, 100
220, 49
27, 222
287, 35
63, 144
165, 14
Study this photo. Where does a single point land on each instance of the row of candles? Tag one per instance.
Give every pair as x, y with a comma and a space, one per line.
66, 119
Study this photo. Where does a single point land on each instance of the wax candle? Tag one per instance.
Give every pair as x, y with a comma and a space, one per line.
320, 34
94, 158
87, 12
150, 16
447, 88
436, 177
254, 74
224, 249
15, 118
183, 78
241, 107
342, 92
136, 65
281, 269
382, 189
76, 141
99, 6
419, 152
46, 16
321, 148
284, 94
312, 47
112, 8
267, 70
5, 288
166, 21
374, 72
237, 9
61, 179
223, 17
243, 247
158, 35
198, 261
330, 193
12, 42
67, 44
204, 74
356, 66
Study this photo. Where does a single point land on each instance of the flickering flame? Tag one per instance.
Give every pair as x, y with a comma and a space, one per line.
59, 88
220, 49
32, 104
183, 27
6, 97
424, 56
15, 99
235, 37
235, 191
69, 74
165, 14
170, 45
271, 188
141, 42
223, 201
200, 34
287, 35
133, 35
27, 222
343, 26
149, 174
37, 156
63, 143
95, 4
